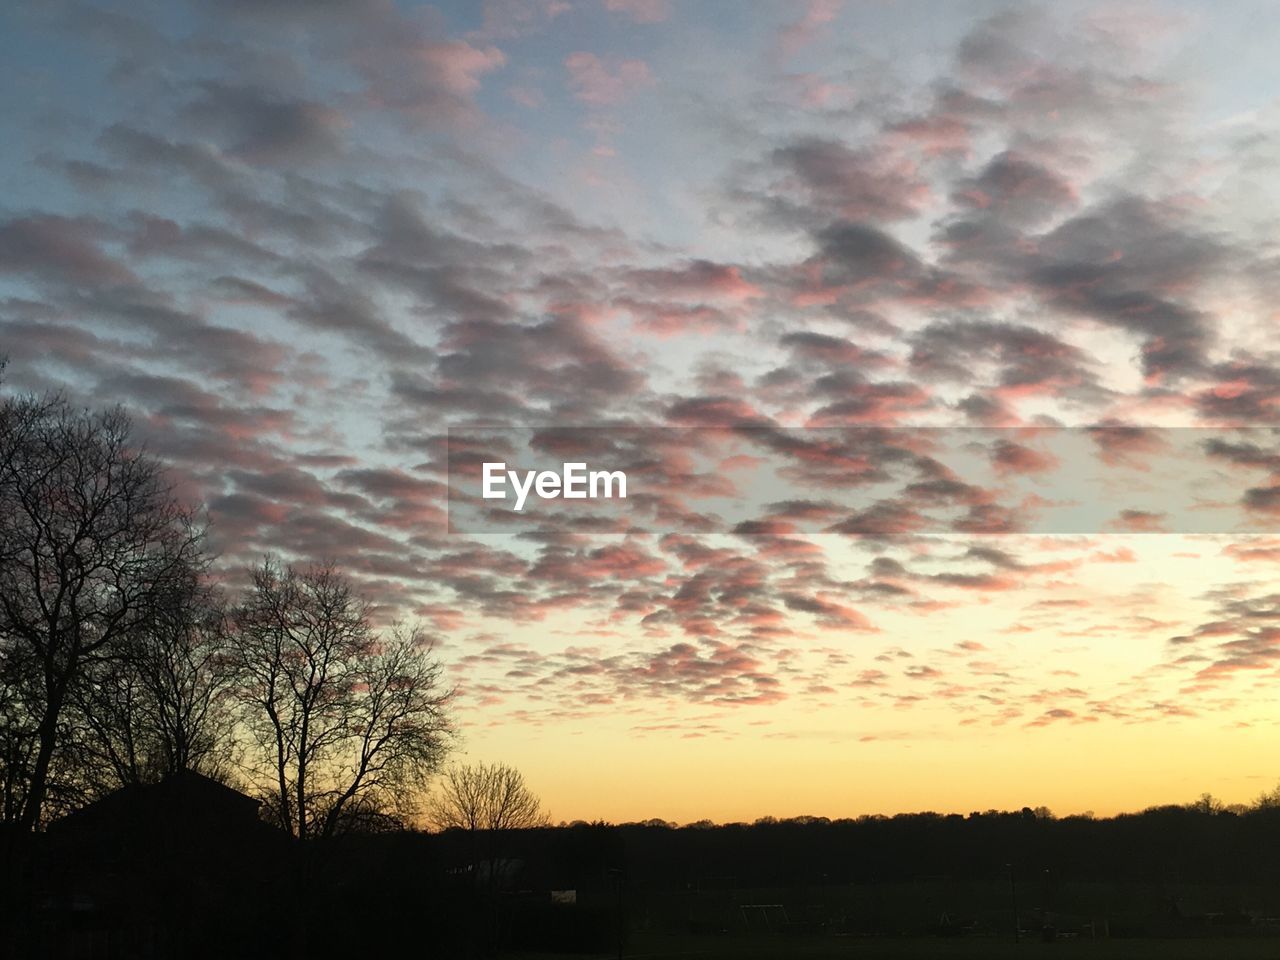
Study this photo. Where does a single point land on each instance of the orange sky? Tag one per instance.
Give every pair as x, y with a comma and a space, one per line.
1060, 690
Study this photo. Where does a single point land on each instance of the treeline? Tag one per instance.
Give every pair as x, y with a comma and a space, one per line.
1197, 842
123, 660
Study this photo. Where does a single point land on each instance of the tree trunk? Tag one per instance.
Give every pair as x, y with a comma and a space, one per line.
47, 734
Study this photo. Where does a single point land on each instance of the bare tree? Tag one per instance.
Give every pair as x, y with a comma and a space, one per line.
20, 696
159, 704
488, 800
347, 724
485, 797
90, 537
1268, 799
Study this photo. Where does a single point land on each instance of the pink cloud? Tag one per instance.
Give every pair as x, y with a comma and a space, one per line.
59, 248
1139, 521
530, 97
1254, 550
458, 66
600, 83
1119, 555
623, 561
641, 11
671, 319
507, 19
697, 279
425, 79
1013, 458
801, 32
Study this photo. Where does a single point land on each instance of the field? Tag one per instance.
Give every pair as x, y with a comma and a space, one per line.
1096, 921
723, 948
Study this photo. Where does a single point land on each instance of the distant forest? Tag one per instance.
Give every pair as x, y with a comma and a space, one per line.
1201, 841
1199, 870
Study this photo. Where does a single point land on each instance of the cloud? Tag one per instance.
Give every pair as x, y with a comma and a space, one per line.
826, 177
259, 127
641, 11
1019, 360
1123, 265
511, 19
1016, 189
696, 280
797, 34
1243, 390
602, 83
312, 246
60, 250
1015, 458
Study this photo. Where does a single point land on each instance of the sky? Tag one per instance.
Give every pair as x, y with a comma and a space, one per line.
314, 247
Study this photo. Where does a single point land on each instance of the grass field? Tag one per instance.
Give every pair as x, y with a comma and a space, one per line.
1149, 921
723, 948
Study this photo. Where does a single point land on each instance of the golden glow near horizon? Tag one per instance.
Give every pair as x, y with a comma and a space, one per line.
1060, 692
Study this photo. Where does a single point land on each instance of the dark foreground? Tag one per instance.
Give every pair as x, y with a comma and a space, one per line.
187, 869
701, 948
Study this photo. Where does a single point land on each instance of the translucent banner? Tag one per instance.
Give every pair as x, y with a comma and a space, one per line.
865, 481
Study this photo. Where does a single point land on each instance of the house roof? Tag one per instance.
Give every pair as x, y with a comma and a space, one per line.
186, 797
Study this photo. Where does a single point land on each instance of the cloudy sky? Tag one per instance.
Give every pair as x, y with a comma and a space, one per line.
308, 243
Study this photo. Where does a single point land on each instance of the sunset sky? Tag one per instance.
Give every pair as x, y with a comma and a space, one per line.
308, 243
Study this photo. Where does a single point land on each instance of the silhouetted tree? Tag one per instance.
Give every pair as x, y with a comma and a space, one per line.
91, 537
488, 801
1206, 803
485, 796
159, 704
1268, 799
347, 724
20, 696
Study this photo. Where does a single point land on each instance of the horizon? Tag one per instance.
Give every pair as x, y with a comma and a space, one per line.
318, 253
1041, 812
